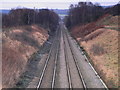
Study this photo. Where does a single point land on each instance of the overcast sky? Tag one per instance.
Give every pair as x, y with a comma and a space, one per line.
51, 4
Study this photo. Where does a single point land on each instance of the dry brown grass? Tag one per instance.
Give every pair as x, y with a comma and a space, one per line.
18, 46
81, 31
107, 62
101, 44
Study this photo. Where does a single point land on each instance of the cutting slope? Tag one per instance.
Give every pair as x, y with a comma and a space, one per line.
18, 46
100, 40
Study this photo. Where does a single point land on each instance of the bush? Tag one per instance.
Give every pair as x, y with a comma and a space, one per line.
97, 49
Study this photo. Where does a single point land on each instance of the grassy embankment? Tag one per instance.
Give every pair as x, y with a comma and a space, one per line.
18, 45
100, 41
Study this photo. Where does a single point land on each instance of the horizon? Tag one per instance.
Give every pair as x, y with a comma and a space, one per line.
62, 4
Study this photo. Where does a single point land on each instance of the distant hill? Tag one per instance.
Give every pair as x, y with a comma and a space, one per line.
4, 11
58, 11
107, 6
61, 11
114, 10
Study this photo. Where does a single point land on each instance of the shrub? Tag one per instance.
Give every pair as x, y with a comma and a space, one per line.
97, 49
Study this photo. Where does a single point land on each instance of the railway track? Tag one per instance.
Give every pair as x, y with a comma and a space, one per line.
74, 74
63, 65
48, 74
93, 80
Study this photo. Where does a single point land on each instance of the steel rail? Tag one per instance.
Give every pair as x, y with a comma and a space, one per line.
67, 66
55, 67
76, 63
46, 63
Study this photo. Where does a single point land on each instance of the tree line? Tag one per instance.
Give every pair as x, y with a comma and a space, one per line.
85, 12
17, 17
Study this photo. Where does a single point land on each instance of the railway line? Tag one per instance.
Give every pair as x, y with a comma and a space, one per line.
65, 66
75, 77
48, 73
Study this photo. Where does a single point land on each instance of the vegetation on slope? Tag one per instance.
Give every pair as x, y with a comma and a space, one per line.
101, 44
99, 37
22, 36
18, 46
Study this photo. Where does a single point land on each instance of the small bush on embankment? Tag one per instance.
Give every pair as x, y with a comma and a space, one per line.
96, 49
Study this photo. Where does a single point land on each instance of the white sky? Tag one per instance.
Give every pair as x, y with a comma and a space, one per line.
61, 4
